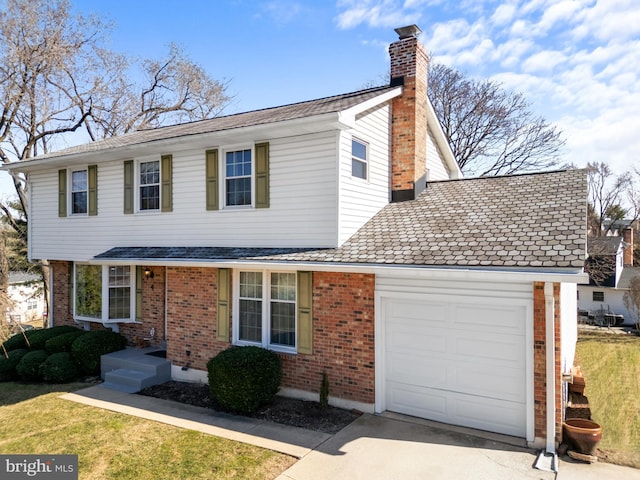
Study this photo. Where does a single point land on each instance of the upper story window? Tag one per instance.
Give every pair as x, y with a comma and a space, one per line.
149, 181
265, 312
79, 192
238, 178
359, 160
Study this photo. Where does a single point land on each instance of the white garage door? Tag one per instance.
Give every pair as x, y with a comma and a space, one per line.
457, 358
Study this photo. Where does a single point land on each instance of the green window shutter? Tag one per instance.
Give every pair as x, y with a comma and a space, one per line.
62, 193
305, 312
166, 171
212, 179
139, 276
93, 189
262, 175
128, 186
224, 302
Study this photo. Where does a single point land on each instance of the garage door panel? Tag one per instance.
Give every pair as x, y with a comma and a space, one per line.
402, 369
490, 348
457, 359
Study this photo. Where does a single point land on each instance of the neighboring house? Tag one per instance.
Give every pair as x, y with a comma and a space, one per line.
26, 298
613, 260
337, 232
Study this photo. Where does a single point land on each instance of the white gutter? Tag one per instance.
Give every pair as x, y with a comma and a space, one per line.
551, 366
464, 273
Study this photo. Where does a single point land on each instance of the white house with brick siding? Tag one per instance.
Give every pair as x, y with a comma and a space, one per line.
338, 232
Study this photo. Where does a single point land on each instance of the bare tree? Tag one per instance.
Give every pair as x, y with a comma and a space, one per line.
491, 131
56, 79
605, 196
631, 300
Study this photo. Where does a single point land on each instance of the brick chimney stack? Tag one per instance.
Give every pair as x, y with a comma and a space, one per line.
627, 238
409, 64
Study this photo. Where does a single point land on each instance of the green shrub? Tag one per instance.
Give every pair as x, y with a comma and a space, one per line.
62, 343
242, 379
59, 368
29, 366
87, 349
8, 364
38, 338
15, 342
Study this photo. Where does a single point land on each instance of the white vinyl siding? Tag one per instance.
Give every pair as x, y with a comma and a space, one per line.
303, 206
362, 199
435, 162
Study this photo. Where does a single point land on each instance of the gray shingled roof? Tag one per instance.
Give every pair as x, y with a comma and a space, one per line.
294, 111
608, 245
518, 221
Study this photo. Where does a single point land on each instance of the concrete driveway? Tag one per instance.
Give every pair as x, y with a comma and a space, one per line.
396, 447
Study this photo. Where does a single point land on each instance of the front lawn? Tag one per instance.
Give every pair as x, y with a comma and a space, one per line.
33, 420
611, 367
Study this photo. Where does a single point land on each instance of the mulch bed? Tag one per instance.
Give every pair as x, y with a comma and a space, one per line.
287, 411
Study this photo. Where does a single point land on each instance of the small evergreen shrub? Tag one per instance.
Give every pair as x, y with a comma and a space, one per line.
242, 379
8, 364
87, 349
62, 343
59, 368
29, 366
38, 338
15, 342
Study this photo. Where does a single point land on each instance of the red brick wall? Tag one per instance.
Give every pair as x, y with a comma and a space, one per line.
343, 339
540, 364
152, 304
192, 316
343, 331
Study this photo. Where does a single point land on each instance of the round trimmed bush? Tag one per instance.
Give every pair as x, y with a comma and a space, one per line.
38, 338
62, 343
15, 342
87, 349
8, 364
242, 379
59, 368
29, 366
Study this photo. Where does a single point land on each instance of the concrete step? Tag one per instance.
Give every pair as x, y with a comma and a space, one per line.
131, 370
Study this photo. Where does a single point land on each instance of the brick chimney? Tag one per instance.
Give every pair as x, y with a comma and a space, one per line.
627, 238
409, 63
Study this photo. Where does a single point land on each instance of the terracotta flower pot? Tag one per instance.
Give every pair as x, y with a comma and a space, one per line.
582, 435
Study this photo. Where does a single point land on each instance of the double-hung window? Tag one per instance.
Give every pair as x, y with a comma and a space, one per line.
79, 192
149, 181
359, 161
238, 178
265, 312
103, 293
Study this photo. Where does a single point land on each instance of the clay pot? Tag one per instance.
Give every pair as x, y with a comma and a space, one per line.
582, 435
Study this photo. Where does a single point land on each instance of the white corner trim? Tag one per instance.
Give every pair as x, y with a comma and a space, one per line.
549, 304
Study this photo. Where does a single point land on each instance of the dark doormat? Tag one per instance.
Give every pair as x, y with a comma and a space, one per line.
158, 353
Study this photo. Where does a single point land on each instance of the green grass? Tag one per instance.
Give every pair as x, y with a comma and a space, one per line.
611, 367
34, 420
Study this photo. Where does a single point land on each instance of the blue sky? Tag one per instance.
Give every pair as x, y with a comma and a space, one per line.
576, 61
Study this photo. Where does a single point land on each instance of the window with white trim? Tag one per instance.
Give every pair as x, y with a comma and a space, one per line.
103, 293
238, 169
359, 159
149, 185
265, 309
79, 192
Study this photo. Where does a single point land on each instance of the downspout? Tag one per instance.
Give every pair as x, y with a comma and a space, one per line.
550, 305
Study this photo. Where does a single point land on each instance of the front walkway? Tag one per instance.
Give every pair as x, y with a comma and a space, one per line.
371, 448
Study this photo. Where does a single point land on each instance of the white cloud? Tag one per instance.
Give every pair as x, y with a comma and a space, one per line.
503, 15
383, 13
543, 62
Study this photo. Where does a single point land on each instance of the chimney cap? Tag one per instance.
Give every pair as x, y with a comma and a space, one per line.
408, 31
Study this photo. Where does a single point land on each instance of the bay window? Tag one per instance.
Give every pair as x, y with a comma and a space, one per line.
103, 293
